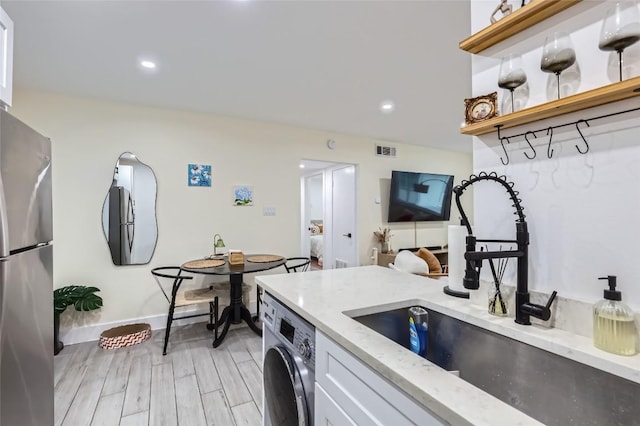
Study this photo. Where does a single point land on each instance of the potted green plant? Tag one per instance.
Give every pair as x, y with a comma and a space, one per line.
83, 298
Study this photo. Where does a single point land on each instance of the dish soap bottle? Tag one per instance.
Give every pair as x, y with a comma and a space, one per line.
614, 328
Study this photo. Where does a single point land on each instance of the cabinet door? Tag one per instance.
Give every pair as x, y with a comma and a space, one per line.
6, 58
328, 412
361, 393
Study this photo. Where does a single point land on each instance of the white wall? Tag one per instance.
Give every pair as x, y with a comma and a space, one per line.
581, 209
89, 135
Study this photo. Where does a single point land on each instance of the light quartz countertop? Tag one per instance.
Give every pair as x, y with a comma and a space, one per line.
323, 298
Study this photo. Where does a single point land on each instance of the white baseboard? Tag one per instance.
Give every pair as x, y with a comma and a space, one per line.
90, 333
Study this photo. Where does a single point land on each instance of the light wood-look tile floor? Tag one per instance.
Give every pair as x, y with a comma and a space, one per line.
194, 384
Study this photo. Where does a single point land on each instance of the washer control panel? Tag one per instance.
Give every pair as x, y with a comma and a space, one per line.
292, 330
305, 349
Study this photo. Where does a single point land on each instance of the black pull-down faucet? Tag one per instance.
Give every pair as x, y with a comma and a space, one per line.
524, 308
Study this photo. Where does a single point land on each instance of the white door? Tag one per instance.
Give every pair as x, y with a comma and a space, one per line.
306, 216
312, 213
6, 58
329, 188
343, 215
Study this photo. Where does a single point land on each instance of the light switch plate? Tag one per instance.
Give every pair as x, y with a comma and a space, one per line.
269, 211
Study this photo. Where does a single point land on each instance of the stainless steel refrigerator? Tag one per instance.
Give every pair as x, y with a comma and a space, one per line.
26, 276
121, 225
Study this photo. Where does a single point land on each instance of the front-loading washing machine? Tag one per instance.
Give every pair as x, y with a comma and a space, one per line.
288, 366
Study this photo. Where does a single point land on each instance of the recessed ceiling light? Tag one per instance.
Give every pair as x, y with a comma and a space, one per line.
302, 166
148, 64
387, 107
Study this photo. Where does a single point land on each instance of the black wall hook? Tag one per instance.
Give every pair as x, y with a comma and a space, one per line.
530, 146
582, 136
550, 134
505, 150
549, 149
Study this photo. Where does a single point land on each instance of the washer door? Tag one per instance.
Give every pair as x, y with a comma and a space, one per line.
286, 402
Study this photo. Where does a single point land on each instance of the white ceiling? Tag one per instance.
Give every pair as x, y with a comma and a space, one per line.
319, 64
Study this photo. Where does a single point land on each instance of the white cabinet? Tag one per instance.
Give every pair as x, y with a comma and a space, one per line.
349, 392
328, 412
6, 58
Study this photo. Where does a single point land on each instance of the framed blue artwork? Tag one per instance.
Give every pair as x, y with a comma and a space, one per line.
243, 195
199, 175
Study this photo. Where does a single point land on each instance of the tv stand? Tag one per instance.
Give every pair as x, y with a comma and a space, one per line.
430, 248
442, 254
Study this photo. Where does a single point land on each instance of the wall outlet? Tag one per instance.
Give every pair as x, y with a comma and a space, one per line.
269, 211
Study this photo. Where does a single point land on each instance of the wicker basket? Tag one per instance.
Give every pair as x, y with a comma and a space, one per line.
125, 335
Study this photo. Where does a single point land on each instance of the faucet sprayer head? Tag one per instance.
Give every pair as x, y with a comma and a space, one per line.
502, 180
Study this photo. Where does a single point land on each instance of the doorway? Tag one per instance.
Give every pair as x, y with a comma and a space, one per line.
329, 214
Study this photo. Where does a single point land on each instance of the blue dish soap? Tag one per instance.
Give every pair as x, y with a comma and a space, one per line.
414, 340
418, 330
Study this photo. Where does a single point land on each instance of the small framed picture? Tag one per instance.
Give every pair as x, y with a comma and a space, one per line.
481, 108
199, 175
243, 195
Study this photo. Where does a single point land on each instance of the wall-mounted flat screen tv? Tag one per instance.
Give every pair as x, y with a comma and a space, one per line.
419, 197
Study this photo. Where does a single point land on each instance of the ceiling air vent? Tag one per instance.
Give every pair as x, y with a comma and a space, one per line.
385, 151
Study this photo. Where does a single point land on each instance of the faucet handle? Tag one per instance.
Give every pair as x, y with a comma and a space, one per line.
544, 312
551, 298
539, 311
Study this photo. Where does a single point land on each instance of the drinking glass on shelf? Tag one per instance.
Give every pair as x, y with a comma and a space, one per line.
557, 55
511, 75
620, 29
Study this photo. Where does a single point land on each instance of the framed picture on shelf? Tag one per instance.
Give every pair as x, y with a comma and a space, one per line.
481, 108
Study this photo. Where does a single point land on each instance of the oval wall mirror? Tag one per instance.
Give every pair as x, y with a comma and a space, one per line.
129, 212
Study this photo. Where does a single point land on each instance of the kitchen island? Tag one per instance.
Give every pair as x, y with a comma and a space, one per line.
323, 297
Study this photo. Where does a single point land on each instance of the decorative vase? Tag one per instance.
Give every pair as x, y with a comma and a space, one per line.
386, 247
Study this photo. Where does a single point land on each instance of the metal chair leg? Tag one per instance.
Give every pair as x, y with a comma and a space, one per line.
172, 308
215, 315
170, 272
258, 303
168, 329
211, 325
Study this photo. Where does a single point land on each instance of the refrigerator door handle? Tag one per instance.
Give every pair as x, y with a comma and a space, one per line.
131, 219
3, 280
4, 223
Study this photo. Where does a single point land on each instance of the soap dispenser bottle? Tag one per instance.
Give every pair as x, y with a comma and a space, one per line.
614, 327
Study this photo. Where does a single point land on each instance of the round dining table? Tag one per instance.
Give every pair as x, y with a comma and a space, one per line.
236, 312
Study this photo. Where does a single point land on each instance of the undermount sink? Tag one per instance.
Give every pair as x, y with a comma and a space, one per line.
548, 387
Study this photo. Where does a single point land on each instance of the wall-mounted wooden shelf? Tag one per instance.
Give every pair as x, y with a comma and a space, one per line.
520, 20
602, 95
